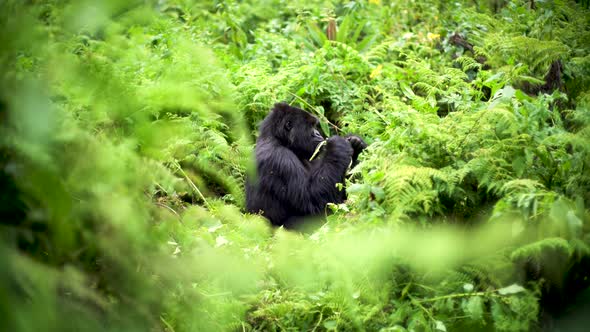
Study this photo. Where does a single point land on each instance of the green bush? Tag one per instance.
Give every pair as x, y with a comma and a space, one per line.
128, 128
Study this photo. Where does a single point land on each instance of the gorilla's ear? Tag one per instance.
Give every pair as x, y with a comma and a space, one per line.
288, 126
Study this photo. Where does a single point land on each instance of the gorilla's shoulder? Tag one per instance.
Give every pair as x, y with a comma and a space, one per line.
272, 155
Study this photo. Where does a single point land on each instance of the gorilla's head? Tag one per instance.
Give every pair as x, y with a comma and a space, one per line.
294, 128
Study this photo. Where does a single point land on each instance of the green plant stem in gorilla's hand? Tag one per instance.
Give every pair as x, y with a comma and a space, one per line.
317, 149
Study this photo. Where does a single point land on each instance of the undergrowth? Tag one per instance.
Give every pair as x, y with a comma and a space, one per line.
128, 129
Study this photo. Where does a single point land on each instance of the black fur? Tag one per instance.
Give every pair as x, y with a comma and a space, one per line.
288, 186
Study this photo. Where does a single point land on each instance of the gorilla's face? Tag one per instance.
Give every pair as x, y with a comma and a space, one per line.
305, 138
299, 130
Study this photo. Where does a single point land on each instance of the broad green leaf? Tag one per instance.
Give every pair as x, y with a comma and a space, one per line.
439, 325
330, 324
512, 289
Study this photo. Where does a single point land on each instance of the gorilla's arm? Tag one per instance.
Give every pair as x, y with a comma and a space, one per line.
306, 189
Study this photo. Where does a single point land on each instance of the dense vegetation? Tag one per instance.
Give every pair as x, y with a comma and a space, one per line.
128, 128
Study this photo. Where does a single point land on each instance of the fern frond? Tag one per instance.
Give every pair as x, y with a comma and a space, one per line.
468, 63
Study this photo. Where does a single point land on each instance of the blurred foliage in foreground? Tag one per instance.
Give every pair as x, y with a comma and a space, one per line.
127, 128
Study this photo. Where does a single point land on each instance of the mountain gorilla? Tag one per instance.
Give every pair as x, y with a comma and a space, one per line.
288, 186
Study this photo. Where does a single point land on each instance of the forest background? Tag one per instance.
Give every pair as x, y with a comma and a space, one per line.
127, 128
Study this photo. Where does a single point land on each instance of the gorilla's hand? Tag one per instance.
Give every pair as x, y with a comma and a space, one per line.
357, 144
340, 145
